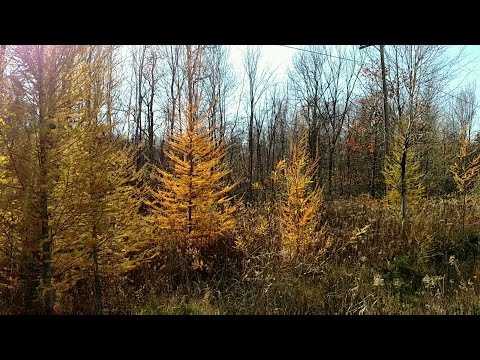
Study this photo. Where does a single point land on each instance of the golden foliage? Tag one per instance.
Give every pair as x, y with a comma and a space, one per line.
95, 195
465, 171
92, 211
300, 205
98, 225
33, 137
392, 171
193, 203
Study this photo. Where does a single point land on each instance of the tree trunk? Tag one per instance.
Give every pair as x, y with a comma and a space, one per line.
150, 124
138, 120
349, 173
31, 277
190, 190
330, 170
172, 94
374, 166
44, 240
374, 174
385, 100
109, 85
3, 49
318, 170
97, 283
190, 123
403, 185
250, 151
259, 159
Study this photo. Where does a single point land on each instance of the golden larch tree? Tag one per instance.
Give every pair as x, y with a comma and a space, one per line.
300, 205
465, 171
193, 203
41, 94
95, 193
402, 172
100, 209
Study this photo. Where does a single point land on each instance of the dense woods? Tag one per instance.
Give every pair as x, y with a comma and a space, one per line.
161, 179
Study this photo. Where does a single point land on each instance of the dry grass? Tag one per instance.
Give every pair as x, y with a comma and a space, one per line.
361, 264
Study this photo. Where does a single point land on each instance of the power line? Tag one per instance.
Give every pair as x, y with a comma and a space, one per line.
340, 57
359, 79
459, 98
319, 53
361, 62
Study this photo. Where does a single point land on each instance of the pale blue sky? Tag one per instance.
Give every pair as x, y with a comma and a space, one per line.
280, 57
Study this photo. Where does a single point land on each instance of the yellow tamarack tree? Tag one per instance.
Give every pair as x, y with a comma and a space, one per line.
403, 176
43, 94
193, 203
104, 208
300, 205
465, 171
96, 196
66, 211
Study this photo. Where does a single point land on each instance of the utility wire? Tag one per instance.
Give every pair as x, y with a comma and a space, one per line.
324, 54
340, 57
